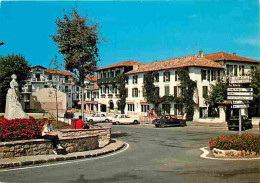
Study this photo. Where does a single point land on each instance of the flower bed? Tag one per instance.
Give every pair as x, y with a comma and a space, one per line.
246, 143
20, 129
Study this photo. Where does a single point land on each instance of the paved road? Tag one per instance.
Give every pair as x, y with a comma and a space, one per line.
155, 155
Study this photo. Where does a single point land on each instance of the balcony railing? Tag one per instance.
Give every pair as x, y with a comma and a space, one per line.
106, 80
38, 79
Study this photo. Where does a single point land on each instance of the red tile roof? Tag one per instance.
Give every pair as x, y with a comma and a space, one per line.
53, 71
121, 64
92, 78
227, 56
186, 61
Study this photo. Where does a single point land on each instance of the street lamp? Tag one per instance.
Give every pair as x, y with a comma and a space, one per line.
1, 43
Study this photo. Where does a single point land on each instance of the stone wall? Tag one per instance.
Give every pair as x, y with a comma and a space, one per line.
104, 134
43, 147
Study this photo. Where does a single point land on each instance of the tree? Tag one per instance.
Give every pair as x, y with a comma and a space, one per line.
218, 92
149, 88
188, 87
255, 84
12, 64
77, 40
120, 82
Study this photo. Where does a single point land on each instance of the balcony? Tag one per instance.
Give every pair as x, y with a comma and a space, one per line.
106, 80
67, 82
38, 80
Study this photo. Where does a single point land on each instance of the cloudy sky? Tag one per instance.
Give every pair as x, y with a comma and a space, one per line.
138, 30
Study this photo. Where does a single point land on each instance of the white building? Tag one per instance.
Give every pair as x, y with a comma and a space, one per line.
42, 77
108, 92
203, 69
91, 94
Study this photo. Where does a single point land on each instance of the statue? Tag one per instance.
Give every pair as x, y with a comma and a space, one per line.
13, 108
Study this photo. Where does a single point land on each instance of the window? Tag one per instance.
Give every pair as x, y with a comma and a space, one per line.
135, 78
112, 74
203, 75
50, 77
126, 92
46, 86
88, 94
105, 75
157, 91
135, 92
235, 70
144, 108
66, 89
218, 73
156, 77
213, 75
175, 91
230, 69
208, 76
205, 91
166, 108
243, 70
144, 92
167, 90
131, 107
252, 68
126, 80
166, 76
203, 111
177, 77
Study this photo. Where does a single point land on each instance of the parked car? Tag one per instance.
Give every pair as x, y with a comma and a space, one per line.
124, 119
169, 120
233, 123
98, 118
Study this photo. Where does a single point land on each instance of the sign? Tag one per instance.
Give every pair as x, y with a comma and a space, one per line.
239, 102
239, 98
241, 93
240, 79
240, 89
240, 106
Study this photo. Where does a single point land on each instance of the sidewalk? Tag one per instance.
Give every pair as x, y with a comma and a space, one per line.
115, 145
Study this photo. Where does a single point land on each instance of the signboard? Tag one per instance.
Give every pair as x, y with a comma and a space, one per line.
240, 106
239, 98
240, 89
240, 79
241, 93
239, 102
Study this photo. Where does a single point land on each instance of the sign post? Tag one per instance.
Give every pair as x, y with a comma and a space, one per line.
240, 95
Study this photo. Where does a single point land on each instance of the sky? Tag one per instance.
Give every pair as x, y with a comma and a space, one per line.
143, 31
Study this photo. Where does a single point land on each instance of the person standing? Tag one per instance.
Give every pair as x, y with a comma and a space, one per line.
80, 123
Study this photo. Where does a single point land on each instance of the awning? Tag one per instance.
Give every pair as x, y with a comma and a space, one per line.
130, 101
79, 103
143, 102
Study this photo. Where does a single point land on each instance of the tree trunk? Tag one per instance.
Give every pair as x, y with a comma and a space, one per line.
57, 107
82, 102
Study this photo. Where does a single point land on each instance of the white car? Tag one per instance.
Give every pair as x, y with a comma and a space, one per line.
124, 119
98, 118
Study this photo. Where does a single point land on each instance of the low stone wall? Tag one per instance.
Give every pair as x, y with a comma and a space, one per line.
104, 134
232, 153
43, 147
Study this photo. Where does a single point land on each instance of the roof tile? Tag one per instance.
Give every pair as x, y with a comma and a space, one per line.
227, 56
121, 64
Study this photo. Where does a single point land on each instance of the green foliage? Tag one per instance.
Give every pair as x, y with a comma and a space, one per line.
255, 84
120, 82
149, 88
13, 64
188, 87
77, 39
218, 92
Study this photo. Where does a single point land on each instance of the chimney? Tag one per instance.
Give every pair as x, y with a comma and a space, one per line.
135, 67
200, 54
234, 54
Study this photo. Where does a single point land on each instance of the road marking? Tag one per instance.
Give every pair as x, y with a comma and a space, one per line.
69, 162
206, 152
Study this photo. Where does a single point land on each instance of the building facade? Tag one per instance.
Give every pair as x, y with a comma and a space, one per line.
203, 69
108, 89
42, 77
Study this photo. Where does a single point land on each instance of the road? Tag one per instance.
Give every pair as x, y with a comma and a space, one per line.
154, 155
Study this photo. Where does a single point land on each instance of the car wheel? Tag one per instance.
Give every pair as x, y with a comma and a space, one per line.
91, 121
162, 125
117, 123
157, 126
136, 122
107, 121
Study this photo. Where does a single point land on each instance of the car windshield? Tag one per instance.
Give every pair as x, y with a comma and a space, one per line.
93, 115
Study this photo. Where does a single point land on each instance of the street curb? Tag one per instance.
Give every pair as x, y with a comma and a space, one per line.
206, 153
81, 155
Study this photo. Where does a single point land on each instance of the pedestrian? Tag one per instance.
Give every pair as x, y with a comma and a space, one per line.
47, 134
79, 123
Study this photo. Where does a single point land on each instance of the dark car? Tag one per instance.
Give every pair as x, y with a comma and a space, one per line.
169, 120
233, 123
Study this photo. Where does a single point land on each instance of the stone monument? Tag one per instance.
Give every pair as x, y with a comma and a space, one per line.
13, 108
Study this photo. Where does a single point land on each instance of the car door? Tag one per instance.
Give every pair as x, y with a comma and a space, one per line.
97, 118
102, 117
